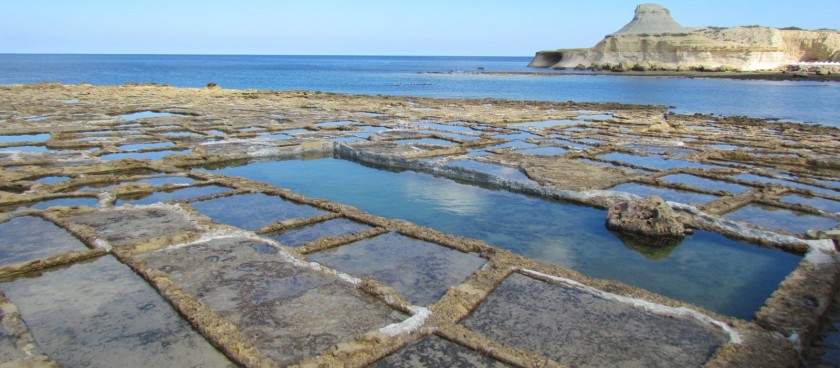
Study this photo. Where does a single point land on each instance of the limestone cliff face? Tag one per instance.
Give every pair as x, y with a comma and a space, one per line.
798, 45
664, 53
640, 45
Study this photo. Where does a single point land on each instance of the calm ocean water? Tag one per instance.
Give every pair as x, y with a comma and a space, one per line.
815, 102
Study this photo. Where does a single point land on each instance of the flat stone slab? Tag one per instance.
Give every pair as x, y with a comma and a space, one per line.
578, 328
290, 312
434, 351
125, 227
101, 314
253, 211
419, 270
29, 238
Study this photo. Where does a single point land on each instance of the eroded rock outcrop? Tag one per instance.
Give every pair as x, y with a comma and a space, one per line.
654, 41
650, 216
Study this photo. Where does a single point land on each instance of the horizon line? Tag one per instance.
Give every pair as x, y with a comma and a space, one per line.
219, 54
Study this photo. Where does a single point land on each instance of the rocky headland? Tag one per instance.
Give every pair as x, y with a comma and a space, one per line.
654, 41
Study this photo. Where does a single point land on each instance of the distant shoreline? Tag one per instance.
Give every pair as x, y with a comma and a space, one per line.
770, 76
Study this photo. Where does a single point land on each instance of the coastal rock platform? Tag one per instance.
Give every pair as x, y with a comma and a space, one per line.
246, 273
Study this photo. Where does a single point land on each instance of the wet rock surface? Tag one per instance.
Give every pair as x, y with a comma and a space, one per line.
94, 168
137, 226
580, 329
436, 352
421, 271
100, 314
289, 311
30, 238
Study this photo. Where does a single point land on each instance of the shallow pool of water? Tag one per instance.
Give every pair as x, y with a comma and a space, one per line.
180, 134
434, 141
173, 195
419, 270
146, 114
461, 137
101, 314
253, 211
330, 228
275, 136
654, 162
29, 238
145, 146
52, 179
42, 205
512, 144
595, 117
371, 128
26, 149
334, 123
721, 274
704, 183
514, 136
543, 151
24, 138
792, 184
816, 202
780, 218
156, 155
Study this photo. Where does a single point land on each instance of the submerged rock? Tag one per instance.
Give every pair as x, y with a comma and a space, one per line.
649, 216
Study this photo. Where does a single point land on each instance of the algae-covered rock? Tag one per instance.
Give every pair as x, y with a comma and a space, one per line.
649, 216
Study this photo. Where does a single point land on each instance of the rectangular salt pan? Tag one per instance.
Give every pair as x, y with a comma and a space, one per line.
296, 312
24, 138
331, 228
156, 155
778, 218
704, 183
174, 195
418, 270
578, 328
433, 351
654, 162
27, 238
100, 314
816, 202
432, 141
253, 211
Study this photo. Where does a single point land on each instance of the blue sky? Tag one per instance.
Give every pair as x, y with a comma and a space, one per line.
362, 27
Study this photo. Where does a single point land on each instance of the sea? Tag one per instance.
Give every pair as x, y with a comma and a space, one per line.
435, 76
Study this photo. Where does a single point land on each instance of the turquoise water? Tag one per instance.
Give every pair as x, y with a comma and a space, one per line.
431, 76
727, 276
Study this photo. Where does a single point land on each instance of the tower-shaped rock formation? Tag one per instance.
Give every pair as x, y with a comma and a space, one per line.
651, 19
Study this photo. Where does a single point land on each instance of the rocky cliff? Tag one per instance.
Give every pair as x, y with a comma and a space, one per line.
654, 41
